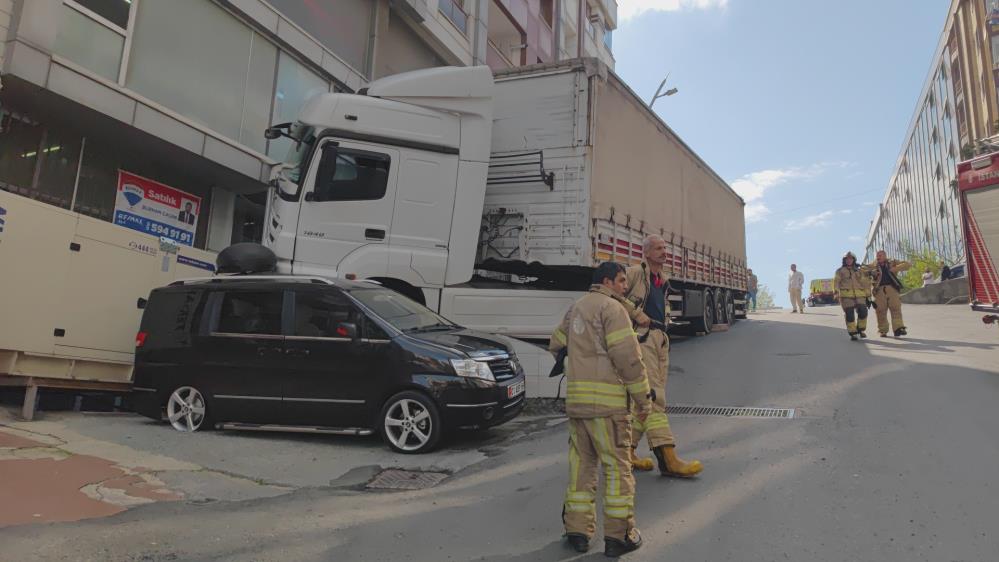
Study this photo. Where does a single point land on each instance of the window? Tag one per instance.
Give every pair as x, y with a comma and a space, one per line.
343, 26
317, 314
295, 85
90, 44
196, 59
609, 39
173, 316
20, 140
60, 158
114, 11
256, 312
356, 175
548, 12
455, 11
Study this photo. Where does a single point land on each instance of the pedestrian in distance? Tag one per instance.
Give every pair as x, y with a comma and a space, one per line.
604, 373
944, 271
795, 282
648, 287
752, 286
852, 286
887, 293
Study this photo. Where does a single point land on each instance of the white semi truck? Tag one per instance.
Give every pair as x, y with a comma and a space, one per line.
490, 199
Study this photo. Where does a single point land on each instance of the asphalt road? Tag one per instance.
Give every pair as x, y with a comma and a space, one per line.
892, 455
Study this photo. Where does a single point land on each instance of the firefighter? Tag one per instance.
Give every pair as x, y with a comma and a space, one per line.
647, 292
887, 288
605, 372
852, 286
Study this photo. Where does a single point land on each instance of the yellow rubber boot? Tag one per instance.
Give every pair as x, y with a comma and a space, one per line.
672, 465
639, 463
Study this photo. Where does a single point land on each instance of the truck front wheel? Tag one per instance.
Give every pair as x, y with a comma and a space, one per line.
707, 317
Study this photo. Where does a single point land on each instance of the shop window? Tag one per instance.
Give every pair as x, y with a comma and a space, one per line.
60, 158
295, 85
248, 218
114, 11
195, 58
357, 175
90, 44
20, 142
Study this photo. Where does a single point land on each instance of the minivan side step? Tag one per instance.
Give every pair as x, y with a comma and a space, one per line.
296, 429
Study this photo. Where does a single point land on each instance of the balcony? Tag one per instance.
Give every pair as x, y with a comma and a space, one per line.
496, 59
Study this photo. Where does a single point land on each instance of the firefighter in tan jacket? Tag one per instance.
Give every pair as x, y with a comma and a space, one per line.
853, 284
605, 372
647, 292
887, 293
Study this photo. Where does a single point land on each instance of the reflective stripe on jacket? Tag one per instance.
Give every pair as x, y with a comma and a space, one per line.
604, 365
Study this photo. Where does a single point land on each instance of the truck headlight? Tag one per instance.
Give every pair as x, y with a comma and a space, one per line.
472, 369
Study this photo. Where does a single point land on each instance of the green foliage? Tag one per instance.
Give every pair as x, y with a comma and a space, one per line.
764, 298
922, 260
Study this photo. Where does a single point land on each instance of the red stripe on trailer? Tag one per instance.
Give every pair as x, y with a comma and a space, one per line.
983, 276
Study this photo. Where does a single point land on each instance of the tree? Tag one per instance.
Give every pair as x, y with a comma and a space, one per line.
922, 260
764, 298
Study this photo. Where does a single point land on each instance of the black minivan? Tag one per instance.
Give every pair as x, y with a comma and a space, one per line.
317, 355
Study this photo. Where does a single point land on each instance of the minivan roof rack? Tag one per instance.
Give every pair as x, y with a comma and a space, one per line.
224, 278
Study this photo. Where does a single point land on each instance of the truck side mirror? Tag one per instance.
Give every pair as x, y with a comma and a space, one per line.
346, 330
310, 196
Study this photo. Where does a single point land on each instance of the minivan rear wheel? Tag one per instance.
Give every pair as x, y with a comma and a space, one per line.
410, 423
187, 409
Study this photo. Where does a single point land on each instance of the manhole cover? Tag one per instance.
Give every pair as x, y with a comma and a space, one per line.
730, 411
394, 479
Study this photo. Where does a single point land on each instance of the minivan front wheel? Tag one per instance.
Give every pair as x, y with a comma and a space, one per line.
410, 423
187, 409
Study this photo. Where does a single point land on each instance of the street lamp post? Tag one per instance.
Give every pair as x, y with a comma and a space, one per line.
660, 93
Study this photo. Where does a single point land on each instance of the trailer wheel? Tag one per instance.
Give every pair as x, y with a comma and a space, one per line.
726, 308
707, 318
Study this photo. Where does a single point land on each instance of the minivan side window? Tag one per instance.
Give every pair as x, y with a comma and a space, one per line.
172, 317
351, 175
251, 312
317, 313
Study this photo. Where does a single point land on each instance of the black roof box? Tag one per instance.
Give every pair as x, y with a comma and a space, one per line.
246, 257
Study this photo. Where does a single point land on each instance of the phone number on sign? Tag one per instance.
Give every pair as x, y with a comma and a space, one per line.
169, 232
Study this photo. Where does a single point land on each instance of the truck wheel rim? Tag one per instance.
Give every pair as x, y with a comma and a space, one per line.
186, 409
408, 424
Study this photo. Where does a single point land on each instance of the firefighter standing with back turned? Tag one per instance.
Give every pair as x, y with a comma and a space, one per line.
852, 286
605, 372
886, 293
647, 288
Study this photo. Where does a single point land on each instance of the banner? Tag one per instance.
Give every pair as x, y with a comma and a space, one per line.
157, 209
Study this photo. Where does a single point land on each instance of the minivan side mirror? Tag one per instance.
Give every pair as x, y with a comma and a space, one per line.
346, 330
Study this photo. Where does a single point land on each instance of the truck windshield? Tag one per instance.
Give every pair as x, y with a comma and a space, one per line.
294, 164
405, 314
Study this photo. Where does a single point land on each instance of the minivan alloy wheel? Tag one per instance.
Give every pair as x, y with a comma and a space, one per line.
186, 409
408, 425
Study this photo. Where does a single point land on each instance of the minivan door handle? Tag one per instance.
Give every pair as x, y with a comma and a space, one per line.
374, 234
262, 351
297, 352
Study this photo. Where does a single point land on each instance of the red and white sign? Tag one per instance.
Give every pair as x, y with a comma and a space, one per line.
151, 207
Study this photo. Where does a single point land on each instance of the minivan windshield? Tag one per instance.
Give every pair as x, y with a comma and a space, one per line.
405, 314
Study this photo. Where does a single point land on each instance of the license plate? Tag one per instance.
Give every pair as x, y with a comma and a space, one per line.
515, 389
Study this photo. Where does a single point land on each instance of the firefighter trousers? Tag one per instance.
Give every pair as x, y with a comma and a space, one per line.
655, 357
856, 314
887, 299
596, 442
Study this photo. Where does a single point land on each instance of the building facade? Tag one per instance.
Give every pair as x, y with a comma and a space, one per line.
957, 108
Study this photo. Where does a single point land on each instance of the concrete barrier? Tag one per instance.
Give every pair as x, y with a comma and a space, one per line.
951, 291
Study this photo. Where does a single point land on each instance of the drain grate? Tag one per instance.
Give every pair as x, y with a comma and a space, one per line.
393, 479
730, 411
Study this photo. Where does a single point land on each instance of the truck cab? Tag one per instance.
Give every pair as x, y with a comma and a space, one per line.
386, 184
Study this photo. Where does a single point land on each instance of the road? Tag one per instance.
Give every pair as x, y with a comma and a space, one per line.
892, 455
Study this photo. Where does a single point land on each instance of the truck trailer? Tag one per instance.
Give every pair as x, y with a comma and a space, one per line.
490, 199
978, 185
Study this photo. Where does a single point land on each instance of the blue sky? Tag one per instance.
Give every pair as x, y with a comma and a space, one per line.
801, 105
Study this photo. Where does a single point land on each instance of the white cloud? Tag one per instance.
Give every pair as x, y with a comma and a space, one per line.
628, 9
753, 186
811, 221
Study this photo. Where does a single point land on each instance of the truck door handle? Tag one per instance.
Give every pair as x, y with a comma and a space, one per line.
374, 234
297, 352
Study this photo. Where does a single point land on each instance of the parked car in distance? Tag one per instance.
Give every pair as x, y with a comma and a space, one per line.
312, 354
